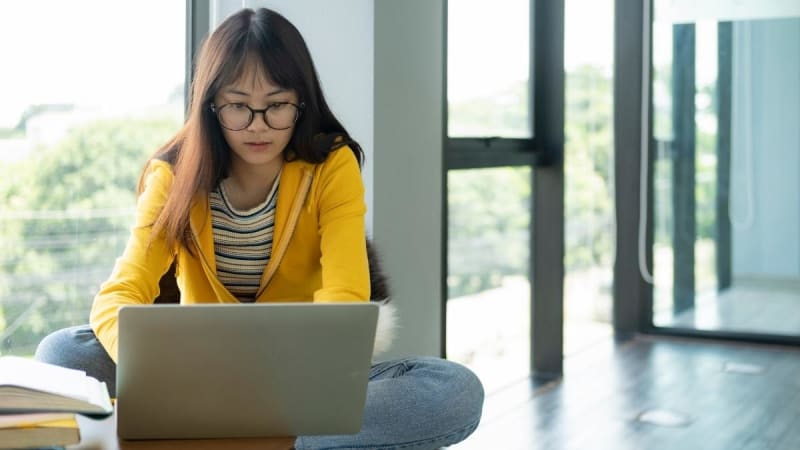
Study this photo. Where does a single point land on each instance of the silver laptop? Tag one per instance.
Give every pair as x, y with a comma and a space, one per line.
243, 370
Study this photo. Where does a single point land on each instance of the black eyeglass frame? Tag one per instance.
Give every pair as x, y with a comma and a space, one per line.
217, 111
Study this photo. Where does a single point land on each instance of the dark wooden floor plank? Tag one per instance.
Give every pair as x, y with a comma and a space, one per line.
603, 391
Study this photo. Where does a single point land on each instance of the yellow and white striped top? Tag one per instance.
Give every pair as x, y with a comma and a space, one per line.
242, 241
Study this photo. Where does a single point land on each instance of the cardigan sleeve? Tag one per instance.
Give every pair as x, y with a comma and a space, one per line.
134, 279
340, 196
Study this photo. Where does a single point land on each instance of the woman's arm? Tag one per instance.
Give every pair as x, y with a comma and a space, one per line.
340, 193
136, 273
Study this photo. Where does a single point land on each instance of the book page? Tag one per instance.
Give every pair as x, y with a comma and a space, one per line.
22, 420
98, 395
30, 374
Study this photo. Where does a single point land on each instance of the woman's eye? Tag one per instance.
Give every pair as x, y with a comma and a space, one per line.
237, 106
278, 105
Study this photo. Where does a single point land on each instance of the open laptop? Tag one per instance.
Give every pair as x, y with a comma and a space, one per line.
243, 370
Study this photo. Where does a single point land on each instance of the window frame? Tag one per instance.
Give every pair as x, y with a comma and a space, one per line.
543, 152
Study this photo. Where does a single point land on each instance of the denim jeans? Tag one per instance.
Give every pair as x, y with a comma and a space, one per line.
412, 403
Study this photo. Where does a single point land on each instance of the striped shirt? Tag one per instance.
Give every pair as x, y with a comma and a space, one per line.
242, 241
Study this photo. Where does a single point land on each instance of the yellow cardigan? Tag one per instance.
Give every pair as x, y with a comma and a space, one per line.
318, 253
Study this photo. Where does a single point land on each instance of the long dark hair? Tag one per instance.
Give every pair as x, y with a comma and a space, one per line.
199, 154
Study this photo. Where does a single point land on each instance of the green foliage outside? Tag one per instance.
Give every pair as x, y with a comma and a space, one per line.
489, 209
488, 226
588, 169
65, 219
706, 166
11, 133
705, 160
504, 113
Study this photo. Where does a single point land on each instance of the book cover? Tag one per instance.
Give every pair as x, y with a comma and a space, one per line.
47, 433
28, 386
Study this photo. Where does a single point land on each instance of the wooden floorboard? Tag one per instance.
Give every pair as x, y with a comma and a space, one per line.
605, 389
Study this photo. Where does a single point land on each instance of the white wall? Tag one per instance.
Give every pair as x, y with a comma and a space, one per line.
339, 35
409, 71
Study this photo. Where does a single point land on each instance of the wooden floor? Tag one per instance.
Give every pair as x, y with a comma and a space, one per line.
766, 308
707, 394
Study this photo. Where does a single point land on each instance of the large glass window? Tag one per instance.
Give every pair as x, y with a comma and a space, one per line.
588, 172
490, 193
88, 93
727, 163
488, 289
489, 198
488, 58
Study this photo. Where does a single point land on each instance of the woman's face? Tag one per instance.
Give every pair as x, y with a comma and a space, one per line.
257, 145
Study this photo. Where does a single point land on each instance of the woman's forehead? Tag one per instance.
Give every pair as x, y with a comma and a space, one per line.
254, 77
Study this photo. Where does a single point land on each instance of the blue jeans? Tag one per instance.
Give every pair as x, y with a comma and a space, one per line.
413, 403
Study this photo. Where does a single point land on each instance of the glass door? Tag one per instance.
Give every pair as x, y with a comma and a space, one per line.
726, 170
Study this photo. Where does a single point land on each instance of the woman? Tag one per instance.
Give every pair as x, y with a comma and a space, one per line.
259, 198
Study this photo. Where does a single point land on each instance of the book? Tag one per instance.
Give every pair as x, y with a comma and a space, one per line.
28, 386
22, 420
31, 431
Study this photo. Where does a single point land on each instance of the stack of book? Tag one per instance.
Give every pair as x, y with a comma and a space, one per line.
39, 403
38, 430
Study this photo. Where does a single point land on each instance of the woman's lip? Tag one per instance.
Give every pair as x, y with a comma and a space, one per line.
258, 146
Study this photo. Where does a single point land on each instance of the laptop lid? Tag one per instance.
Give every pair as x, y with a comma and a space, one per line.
243, 370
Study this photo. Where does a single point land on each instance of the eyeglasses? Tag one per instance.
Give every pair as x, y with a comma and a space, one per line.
238, 116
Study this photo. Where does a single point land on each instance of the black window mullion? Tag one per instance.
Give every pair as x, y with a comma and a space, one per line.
632, 297
547, 226
198, 16
473, 153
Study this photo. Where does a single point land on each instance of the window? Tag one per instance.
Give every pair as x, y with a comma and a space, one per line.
489, 113
87, 95
589, 173
488, 92
497, 149
489, 292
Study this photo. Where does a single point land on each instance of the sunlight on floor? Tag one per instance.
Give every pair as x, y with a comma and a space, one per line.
489, 331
